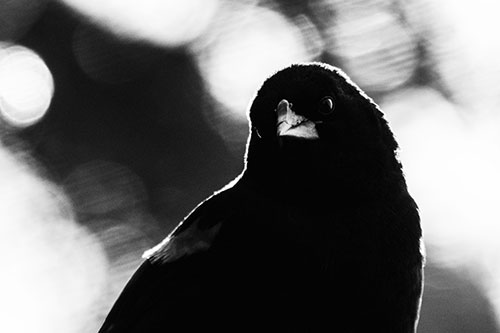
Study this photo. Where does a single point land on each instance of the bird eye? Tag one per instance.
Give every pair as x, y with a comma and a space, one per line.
326, 105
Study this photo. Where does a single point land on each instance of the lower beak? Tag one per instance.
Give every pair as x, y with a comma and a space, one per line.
291, 124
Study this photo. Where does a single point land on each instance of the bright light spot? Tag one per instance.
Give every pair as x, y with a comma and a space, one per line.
460, 38
452, 170
53, 270
376, 49
249, 44
26, 86
163, 22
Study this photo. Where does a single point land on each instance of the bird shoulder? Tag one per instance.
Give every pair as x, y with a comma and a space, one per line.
175, 246
197, 231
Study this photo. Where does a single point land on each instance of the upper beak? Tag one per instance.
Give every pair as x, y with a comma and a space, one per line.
291, 124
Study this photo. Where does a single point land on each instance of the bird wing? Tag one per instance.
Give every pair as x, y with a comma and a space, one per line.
162, 282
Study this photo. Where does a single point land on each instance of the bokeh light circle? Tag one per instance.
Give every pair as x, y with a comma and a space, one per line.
377, 50
99, 187
162, 22
465, 56
249, 45
26, 85
451, 166
54, 269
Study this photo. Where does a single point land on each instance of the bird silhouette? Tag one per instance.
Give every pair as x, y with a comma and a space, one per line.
317, 234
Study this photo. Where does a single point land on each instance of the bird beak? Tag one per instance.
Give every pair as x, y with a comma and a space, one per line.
291, 124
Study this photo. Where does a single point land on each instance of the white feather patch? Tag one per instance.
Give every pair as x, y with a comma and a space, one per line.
189, 241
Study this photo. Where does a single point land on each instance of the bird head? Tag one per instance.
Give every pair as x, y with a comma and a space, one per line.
310, 120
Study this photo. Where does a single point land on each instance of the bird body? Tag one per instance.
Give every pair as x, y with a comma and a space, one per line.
318, 233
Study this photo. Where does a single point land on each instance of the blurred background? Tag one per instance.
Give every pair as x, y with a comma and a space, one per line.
118, 117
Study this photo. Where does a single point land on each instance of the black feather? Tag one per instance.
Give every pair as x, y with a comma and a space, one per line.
314, 235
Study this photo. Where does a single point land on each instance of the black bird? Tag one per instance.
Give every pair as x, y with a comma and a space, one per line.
318, 233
